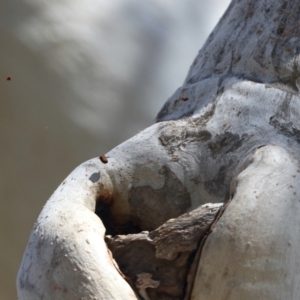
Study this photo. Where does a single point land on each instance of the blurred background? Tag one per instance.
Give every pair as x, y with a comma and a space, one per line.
76, 79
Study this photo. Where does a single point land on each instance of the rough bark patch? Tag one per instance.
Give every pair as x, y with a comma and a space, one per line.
213, 186
286, 128
226, 142
158, 263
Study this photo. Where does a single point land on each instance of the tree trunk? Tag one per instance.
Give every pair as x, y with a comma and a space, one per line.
229, 135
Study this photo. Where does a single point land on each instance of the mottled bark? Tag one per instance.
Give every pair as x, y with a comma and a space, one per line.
229, 134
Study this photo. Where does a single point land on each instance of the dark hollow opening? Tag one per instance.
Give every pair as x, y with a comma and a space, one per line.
102, 210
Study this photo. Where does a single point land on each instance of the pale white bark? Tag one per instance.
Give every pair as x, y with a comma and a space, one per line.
253, 252
235, 122
66, 257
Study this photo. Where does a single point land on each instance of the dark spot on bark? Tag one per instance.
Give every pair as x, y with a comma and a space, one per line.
287, 85
56, 257
286, 128
250, 13
152, 207
112, 221
284, 5
215, 185
281, 120
280, 29
203, 135
226, 142
21, 283
102, 210
25, 283
94, 177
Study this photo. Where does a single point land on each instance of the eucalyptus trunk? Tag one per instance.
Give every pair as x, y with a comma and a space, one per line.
140, 223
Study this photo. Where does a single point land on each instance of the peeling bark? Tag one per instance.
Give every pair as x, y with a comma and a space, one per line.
229, 134
159, 261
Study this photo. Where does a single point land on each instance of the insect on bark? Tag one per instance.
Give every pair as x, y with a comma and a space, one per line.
103, 158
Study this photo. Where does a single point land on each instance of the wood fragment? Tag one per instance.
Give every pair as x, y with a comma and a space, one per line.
164, 255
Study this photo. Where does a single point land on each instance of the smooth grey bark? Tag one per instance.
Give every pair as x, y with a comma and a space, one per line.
229, 134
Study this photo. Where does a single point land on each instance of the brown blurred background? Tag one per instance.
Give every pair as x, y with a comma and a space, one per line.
76, 79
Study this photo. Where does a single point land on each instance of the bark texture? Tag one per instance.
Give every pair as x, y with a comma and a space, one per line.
229, 134
157, 263
253, 251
